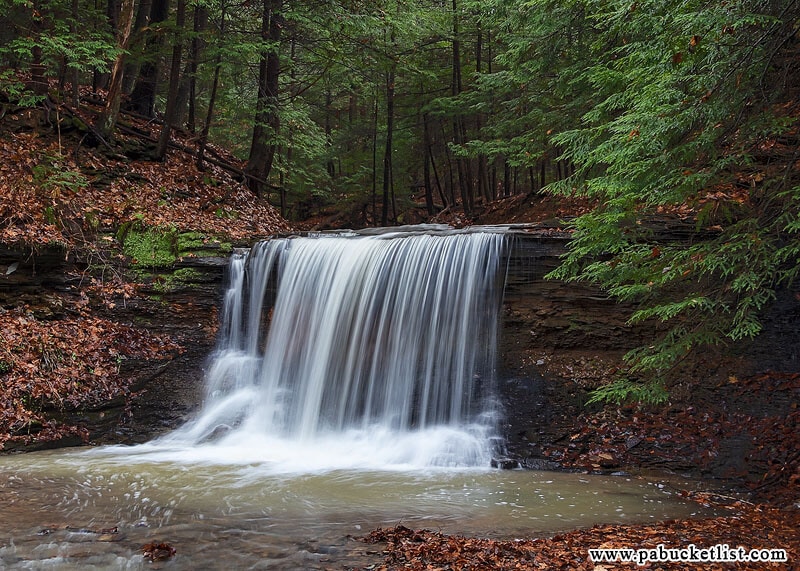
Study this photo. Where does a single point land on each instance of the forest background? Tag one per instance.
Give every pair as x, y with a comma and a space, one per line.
391, 112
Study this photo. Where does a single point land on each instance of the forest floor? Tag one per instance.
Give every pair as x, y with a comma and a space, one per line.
70, 345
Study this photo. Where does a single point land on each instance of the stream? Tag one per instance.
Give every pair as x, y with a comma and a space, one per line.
58, 509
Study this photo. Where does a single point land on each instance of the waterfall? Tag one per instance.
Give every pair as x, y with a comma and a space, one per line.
351, 349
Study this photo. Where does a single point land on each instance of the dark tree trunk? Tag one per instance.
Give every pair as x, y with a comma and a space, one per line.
142, 98
187, 92
459, 131
38, 82
484, 189
375, 158
387, 155
329, 165
267, 119
74, 73
101, 79
137, 45
506, 178
542, 172
174, 81
426, 139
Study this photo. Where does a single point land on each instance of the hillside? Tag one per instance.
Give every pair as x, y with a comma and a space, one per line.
101, 222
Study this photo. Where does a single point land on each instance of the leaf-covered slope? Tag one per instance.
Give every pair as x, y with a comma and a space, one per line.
56, 188
66, 339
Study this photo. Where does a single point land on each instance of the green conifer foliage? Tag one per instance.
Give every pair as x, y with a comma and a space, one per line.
683, 95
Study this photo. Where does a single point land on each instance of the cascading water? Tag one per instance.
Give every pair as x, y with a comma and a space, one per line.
378, 352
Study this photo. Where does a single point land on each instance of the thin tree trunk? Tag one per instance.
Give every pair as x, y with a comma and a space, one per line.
108, 118
267, 120
387, 155
174, 81
329, 165
506, 178
483, 176
542, 172
450, 182
213, 98
38, 82
75, 72
137, 44
375, 158
113, 10
187, 91
459, 131
426, 138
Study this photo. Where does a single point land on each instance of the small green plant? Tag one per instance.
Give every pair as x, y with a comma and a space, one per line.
50, 215
16, 91
625, 390
54, 176
67, 180
225, 213
91, 220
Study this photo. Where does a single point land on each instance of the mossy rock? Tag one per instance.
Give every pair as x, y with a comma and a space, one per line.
148, 247
177, 280
200, 245
159, 248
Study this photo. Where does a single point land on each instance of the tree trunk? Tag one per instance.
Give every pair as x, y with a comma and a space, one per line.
375, 157
267, 119
201, 148
174, 81
329, 164
108, 118
137, 44
38, 82
426, 141
387, 155
484, 189
142, 99
101, 79
459, 131
187, 92
74, 72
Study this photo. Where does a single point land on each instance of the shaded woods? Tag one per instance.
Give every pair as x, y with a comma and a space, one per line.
361, 114
142, 139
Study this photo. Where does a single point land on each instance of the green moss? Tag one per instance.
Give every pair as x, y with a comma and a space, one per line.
149, 247
159, 248
167, 283
199, 244
50, 215
189, 241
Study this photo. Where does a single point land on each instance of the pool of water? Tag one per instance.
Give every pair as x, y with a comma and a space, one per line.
57, 510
